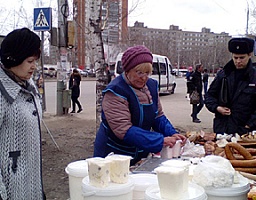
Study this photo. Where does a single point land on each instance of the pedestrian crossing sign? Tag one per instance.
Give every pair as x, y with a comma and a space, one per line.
42, 19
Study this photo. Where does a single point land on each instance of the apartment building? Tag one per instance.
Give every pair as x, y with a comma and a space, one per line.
184, 48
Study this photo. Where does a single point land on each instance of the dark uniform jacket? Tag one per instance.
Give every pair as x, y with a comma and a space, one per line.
238, 94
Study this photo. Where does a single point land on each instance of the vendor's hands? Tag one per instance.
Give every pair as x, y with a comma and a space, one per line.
181, 137
246, 126
169, 141
224, 110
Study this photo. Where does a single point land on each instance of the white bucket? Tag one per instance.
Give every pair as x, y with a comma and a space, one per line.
235, 192
113, 191
194, 192
76, 172
141, 183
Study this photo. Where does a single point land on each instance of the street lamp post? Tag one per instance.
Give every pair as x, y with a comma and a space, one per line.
61, 71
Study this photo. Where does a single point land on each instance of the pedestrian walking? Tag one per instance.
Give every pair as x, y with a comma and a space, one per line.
133, 122
232, 94
74, 86
20, 118
109, 76
205, 80
188, 81
196, 84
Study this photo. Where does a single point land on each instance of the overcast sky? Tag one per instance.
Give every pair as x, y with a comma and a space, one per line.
228, 16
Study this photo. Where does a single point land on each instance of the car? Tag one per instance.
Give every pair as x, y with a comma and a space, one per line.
91, 73
46, 72
52, 72
83, 73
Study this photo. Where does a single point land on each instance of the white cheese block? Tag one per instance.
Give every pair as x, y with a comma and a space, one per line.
99, 172
119, 168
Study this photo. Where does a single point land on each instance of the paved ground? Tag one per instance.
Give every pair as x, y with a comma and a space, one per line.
175, 106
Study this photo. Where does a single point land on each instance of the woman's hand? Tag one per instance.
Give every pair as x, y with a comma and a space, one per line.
181, 137
169, 141
223, 110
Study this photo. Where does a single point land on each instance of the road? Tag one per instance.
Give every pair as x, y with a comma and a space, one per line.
176, 106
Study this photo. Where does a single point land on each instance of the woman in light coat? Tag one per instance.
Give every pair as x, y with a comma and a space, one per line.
20, 116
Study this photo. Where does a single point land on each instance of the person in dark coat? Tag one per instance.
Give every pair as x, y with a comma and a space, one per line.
109, 76
74, 86
196, 84
232, 94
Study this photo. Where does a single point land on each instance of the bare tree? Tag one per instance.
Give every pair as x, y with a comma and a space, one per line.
252, 10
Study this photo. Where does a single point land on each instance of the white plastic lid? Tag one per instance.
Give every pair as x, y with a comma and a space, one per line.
194, 192
176, 163
167, 169
113, 189
240, 188
77, 169
143, 181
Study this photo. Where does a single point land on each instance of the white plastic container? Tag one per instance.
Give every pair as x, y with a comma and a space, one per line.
180, 164
141, 183
176, 149
76, 172
236, 192
194, 192
170, 181
113, 191
166, 152
173, 152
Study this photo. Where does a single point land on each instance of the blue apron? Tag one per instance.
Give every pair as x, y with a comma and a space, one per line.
142, 115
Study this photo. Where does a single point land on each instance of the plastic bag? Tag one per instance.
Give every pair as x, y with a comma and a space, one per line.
214, 171
192, 150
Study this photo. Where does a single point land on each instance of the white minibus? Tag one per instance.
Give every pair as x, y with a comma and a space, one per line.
162, 72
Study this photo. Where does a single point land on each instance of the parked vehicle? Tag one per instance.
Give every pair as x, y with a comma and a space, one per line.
46, 73
52, 72
180, 72
162, 72
91, 73
83, 73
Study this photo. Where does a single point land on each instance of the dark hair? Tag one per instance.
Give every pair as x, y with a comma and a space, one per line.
198, 66
75, 71
19, 45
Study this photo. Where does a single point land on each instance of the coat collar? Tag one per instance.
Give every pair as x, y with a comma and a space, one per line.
9, 88
230, 67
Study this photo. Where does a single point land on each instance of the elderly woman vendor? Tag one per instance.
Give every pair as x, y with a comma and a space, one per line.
133, 122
